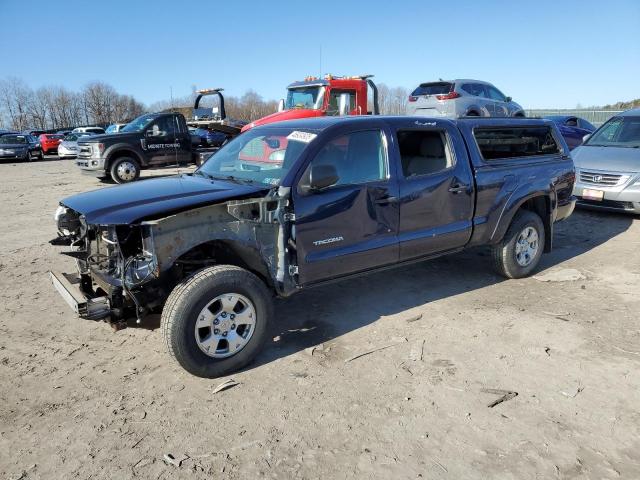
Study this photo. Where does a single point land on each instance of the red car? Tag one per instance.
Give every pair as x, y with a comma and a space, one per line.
49, 142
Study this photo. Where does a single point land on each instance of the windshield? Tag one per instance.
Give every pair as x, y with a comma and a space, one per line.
138, 124
304, 97
261, 155
13, 139
617, 132
72, 137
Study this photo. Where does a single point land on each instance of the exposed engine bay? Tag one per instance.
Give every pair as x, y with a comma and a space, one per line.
128, 270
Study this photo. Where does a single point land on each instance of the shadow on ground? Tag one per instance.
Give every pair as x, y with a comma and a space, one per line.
319, 315
322, 314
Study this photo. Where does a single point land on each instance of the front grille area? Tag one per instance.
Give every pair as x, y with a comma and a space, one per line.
602, 179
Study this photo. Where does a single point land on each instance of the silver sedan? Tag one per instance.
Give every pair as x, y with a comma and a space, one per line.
608, 165
68, 148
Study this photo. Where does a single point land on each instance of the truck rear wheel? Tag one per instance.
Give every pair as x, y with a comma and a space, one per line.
521, 248
216, 321
124, 170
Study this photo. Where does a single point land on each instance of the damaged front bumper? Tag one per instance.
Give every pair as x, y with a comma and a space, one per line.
91, 308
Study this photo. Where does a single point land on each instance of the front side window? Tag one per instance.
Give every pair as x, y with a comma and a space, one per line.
304, 97
358, 157
423, 152
261, 155
498, 143
163, 127
334, 101
617, 132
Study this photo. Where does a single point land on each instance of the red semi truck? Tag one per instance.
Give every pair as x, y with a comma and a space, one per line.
317, 97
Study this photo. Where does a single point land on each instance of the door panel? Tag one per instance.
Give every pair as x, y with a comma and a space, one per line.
436, 206
353, 225
346, 230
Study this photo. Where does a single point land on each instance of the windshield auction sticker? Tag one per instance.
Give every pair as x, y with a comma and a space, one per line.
298, 136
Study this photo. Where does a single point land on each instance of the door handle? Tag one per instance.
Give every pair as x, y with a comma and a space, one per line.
386, 200
458, 188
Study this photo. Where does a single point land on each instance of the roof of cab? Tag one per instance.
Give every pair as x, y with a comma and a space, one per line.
322, 123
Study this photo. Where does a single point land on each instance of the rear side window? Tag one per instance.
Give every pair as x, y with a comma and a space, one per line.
475, 89
435, 88
424, 152
498, 143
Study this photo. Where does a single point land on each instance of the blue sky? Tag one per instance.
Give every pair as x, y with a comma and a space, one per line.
543, 53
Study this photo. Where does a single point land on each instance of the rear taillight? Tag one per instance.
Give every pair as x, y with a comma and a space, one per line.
412, 98
448, 96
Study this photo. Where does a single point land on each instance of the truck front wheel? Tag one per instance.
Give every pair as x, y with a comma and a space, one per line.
216, 321
124, 170
521, 248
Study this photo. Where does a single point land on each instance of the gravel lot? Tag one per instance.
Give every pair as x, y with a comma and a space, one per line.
80, 401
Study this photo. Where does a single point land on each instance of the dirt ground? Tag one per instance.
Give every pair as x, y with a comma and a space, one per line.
80, 401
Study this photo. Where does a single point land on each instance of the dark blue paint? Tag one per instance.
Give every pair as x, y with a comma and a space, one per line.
573, 134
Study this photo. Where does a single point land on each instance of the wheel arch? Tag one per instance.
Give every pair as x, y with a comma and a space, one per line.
537, 202
119, 151
229, 252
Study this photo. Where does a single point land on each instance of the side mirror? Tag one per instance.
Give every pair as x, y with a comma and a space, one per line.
281, 105
148, 133
586, 137
343, 104
508, 99
322, 176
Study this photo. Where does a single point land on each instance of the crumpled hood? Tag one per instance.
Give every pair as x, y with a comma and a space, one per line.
284, 115
132, 202
608, 159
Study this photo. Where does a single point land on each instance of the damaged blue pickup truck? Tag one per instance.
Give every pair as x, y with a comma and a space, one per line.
300, 203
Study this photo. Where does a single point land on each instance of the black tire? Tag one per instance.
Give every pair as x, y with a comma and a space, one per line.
41, 156
124, 170
29, 157
189, 298
504, 254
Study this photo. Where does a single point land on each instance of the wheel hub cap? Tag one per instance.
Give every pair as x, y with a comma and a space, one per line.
225, 325
527, 246
126, 171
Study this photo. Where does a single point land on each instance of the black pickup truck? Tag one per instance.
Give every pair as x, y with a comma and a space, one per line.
151, 140
300, 203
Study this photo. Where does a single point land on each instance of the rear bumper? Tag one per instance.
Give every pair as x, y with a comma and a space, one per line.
68, 286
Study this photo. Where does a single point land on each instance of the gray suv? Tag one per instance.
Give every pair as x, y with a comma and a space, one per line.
461, 98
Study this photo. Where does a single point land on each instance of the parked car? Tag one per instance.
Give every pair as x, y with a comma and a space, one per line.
461, 98
115, 128
351, 195
68, 148
209, 138
19, 146
96, 130
64, 132
50, 142
154, 139
573, 129
608, 165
